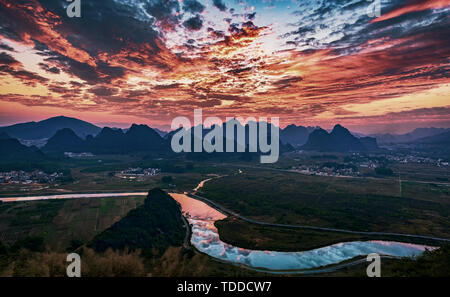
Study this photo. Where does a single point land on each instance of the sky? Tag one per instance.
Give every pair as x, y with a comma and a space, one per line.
308, 62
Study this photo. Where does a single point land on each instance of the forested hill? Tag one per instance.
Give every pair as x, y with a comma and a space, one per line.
156, 225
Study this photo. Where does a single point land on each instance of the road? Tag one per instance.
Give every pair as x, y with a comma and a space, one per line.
229, 212
319, 270
354, 177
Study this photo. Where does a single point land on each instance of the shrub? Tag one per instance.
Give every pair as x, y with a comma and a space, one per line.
167, 179
384, 171
31, 243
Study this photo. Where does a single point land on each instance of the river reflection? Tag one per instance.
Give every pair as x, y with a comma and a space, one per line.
71, 196
196, 209
206, 239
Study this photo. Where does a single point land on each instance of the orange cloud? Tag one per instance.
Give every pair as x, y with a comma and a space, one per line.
412, 6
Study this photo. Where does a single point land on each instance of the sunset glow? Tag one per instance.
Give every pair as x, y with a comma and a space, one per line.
312, 62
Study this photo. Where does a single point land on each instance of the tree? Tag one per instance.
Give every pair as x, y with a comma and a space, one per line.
3, 249
384, 171
167, 179
31, 243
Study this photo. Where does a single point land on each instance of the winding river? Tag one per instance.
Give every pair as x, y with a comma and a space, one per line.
71, 196
205, 238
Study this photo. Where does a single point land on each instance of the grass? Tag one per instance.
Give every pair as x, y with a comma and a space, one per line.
355, 204
175, 262
430, 192
60, 221
96, 174
102, 182
263, 194
256, 237
155, 225
429, 264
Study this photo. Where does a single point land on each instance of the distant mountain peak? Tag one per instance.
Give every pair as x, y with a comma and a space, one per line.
139, 127
142, 130
340, 129
319, 131
416, 134
110, 131
109, 140
438, 139
48, 127
339, 139
63, 140
12, 150
61, 117
291, 126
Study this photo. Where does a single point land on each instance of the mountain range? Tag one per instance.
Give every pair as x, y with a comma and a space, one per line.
237, 126
295, 135
410, 137
70, 134
47, 128
108, 141
11, 150
338, 140
438, 139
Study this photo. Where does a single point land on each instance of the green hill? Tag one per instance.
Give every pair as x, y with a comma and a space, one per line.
156, 225
11, 150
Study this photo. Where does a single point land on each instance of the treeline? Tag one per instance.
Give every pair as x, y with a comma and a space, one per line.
430, 264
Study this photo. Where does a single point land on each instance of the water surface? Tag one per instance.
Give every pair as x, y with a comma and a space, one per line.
71, 196
205, 238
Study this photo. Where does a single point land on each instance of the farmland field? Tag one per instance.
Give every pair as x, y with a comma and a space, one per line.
61, 221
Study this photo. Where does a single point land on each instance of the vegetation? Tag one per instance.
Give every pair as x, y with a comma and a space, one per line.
148, 241
181, 262
32, 243
155, 225
26, 263
141, 244
384, 171
63, 224
429, 264
3, 249
257, 237
167, 179
290, 198
176, 261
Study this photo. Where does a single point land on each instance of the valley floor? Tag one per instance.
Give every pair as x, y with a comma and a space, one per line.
269, 194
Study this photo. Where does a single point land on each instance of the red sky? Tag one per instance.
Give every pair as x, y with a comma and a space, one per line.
307, 62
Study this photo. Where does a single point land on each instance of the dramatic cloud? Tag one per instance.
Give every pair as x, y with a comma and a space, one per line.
219, 4
413, 6
6, 59
193, 6
309, 62
194, 23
